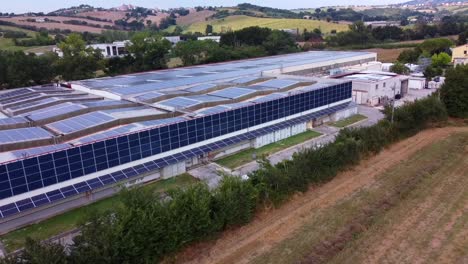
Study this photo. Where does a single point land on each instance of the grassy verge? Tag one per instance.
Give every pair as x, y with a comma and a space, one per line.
349, 121
69, 220
352, 230
243, 157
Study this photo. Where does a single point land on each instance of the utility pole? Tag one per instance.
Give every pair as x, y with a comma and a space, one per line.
393, 101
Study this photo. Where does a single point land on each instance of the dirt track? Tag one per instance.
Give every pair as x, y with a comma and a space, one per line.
269, 228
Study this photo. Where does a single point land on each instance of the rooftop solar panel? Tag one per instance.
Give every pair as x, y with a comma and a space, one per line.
108, 134
179, 102
23, 134
14, 93
233, 92
53, 111
33, 103
213, 110
279, 83
268, 97
12, 121
206, 98
164, 121
24, 153
80, 122
20, 98
149, 96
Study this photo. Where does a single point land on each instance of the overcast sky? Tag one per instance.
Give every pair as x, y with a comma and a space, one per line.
22, 6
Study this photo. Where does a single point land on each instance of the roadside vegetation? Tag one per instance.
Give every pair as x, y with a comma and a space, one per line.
72, 219
349, 121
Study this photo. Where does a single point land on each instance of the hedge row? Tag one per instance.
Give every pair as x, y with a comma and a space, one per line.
148, 227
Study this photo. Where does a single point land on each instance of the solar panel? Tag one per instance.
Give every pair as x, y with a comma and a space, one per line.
23, 134
164, 121
103, 103
279, 83
108, 133
13, 121
233, 92
149, 96
206, 98
53, 111
269, 97
213, 110
14, 93
179, 102
20, 98
24, 153
80, 122
33, 103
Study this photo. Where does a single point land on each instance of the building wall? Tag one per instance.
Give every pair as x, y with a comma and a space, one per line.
372, 91
460, 52
76, 162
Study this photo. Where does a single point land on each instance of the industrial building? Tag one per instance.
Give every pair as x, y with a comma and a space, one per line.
374, 87
61, 144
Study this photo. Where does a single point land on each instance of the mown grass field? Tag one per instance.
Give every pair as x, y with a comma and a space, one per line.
71, 219
246, 156
239, 22
8, 44
349, 121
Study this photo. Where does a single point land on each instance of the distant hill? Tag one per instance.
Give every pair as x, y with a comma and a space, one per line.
432, 2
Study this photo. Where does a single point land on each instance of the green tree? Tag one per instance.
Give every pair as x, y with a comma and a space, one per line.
193, 52
209, 29
454, 92
279, 42
78, 61
432, 46
409, 56
36, 252
441, 59
149, 51
399, 68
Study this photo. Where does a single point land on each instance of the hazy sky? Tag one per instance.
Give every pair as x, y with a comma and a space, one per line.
21, 6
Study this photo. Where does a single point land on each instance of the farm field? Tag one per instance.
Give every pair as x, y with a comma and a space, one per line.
407, 204
239, 22
59, 24
387, 55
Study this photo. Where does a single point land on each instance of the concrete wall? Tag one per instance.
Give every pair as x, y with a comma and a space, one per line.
344, 114
371, 92
173, 170
279, 135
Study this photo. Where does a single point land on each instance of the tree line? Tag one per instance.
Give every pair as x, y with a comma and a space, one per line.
149, 226
146, 51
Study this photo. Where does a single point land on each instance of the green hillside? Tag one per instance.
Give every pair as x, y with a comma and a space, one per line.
239, 22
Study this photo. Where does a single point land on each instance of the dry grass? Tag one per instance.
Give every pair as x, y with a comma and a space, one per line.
194, 17
387, 55
413, 213
239, 22
62, 26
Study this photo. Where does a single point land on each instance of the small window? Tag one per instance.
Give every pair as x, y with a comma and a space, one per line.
464, 52
384, 85
376, 86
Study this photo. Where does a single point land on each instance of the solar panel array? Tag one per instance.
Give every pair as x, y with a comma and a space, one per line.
14, 93
135, 171
13, 121
80, 122
82, 160
103, 103
33, 103
245, 80
149, 96
268, 97
279, 83
23, 134
108, 134
54, 111
24, 153
233, 92
179, 102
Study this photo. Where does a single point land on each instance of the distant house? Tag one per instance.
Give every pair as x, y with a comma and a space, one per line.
375, 24
307, 17
214, 38
460, 55
108, 50
173, 39
40, 20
